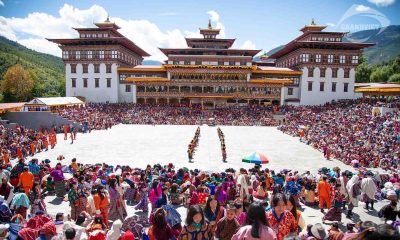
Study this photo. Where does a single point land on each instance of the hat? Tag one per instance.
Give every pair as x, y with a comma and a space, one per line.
318, 231
4, 231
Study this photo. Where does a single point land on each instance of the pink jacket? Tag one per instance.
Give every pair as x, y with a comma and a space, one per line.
244, 233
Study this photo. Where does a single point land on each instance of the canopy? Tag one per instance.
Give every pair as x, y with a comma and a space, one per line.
54, 101
256, 158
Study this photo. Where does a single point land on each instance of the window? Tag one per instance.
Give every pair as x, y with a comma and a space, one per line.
96, 68
108, 68
96, 55
108, 82
310, 86
186, 62
330, 58
85, 82
354, 59
346, 87
84, 68
346, 72
305, 57
310, 72
127, 88
318, 58
73, 68
333, 87
96, 82
65, 54
198, 62
89, 54
114, 54
101, 54
78, 54
290, 91
243, 63
334, 72
342, 59
175, 62
231, 63
73, 82
220, 63
321, 86
322, 72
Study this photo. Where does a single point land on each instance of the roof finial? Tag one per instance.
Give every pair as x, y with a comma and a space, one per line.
209, 24
108, 19
313, 22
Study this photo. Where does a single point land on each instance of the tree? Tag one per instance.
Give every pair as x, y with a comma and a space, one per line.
381, 74
363, 73
17, 84
395, 78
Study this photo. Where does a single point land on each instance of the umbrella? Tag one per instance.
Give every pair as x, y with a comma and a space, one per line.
256, 158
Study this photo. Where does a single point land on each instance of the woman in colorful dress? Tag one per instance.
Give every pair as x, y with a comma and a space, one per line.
36, 200
195, 226
335, 212
142, 188
213, 212
281, 220
116, 209
291, 206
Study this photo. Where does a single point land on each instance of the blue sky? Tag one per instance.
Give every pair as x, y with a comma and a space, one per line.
259, 24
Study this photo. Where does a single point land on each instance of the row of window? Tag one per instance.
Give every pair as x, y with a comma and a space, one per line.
319, 58
94, 35
322, 87
96, 68
219, 63
322, 72
327, 39
99, 54
96, 82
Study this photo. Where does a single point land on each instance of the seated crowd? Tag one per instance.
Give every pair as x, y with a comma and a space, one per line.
348, 131
246, 204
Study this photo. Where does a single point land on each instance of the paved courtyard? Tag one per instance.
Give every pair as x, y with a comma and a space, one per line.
139, 145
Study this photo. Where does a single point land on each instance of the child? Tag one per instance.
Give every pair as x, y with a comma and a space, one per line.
227, 226
389, 212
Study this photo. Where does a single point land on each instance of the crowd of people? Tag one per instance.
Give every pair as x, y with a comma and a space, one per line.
348, 131
247, 204
20, 142
193, 144
104, 116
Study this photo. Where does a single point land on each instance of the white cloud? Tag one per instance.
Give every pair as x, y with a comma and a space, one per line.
330, 24
41, 45
382, 3
1, 3
362, 8
248, 45
216, 23
32, 30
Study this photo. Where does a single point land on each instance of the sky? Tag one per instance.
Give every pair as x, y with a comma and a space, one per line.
153, 24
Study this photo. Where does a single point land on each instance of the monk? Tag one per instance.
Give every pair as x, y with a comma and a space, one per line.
19, 153
6, 157
33, 148
101, 204
66, 130
324, 190
46, 143
51, 140
26, 180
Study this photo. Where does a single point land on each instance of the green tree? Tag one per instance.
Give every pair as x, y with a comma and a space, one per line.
395, 78
17, 84
381, 74
363, 72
